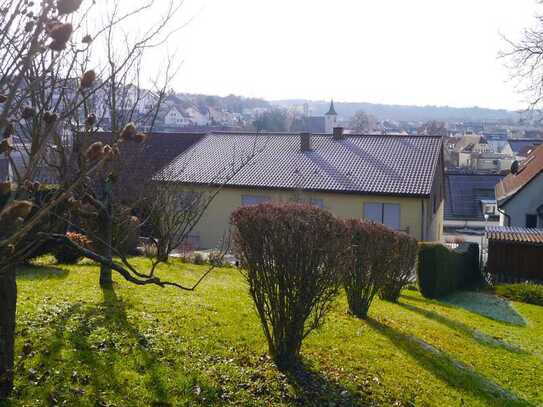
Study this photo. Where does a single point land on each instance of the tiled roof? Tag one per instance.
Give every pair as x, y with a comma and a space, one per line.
520, 145
515, 235
369, 164
528, 170
464, 193
141, 161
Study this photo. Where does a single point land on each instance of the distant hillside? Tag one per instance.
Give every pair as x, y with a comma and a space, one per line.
230, 103
408, 113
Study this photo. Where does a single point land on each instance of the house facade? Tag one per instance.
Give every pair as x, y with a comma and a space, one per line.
394, 180
520, 194
175, 118
468, 198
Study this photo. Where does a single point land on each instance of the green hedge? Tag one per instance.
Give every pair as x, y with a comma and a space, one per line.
528, 293
442, 271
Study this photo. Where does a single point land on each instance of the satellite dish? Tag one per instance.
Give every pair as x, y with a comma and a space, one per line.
515, 167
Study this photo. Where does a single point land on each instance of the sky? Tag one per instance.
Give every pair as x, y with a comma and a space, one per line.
417, 52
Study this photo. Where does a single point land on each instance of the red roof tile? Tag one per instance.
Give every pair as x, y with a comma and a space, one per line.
513, 183
515, 235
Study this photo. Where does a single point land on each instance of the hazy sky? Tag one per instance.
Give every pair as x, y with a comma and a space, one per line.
441, 52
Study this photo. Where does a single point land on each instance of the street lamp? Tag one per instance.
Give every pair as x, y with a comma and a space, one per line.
483, 239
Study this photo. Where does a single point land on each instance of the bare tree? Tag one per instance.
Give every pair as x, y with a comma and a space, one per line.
525, 60
46, 89
433, 128
174, 210
363, 122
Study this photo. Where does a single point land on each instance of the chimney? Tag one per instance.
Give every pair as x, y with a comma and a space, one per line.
338, 133
305, 141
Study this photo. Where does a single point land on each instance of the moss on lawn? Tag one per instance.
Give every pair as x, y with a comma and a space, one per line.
132, 346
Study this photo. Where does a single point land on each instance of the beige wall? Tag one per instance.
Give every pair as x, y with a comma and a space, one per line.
215, 222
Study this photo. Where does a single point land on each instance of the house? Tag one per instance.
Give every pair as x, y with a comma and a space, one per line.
175, 117
477, 153
197, 117
521, 147
140, 162
520, 194
394, 180
468, 198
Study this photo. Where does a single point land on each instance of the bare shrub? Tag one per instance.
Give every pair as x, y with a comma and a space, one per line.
216, 258
198, 259
291, 257
403, 255
66, 254
363, 276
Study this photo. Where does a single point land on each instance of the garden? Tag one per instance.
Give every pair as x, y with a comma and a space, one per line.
338, 321
80, 345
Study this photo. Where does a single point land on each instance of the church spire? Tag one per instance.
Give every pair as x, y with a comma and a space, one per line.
332, 111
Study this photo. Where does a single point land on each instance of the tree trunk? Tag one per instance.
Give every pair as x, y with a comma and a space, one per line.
106, 235
8, 303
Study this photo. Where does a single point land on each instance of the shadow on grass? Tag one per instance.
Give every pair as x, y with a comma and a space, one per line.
487, 305
32, 272
448, 369
102, 355
477, 335
314, 389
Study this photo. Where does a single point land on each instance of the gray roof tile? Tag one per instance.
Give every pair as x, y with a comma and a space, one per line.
369, 164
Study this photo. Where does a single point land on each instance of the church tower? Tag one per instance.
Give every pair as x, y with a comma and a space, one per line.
330, 119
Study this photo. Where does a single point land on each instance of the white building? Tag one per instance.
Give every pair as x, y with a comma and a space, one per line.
330, 119
198, 118
176, 118
520, 194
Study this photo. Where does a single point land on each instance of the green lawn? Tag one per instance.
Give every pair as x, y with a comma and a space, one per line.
77, 345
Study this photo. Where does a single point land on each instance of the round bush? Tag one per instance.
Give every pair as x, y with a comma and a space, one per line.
291, 258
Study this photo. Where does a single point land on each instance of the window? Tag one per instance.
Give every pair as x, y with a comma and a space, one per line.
387, 214
319, 203
247, 200
531, 221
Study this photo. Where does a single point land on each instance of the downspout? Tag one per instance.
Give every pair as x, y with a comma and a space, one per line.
506, 216
423, 229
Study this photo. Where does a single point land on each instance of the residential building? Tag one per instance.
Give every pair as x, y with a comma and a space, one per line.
468, 198
520, 194
475, 152
197, 117
522, 147
176, 118
394, 180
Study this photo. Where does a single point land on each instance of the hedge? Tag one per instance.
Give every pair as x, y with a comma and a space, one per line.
441, 271
526, 292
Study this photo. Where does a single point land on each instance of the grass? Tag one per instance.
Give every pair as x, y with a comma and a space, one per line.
131, 346
528, 293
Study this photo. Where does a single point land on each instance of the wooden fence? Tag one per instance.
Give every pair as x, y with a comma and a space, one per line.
515, 262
